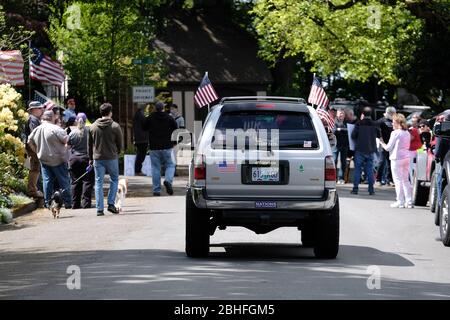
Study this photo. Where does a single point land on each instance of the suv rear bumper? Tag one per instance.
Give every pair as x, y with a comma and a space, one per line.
202, 201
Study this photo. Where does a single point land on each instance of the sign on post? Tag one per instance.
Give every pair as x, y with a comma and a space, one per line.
143, 94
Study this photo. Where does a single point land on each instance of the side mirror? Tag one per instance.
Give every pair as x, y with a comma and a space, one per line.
442, 129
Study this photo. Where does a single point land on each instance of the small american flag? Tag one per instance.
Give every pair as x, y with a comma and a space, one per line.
47, 102
225, 166
205, 93
11, 68
318, 97
44, 69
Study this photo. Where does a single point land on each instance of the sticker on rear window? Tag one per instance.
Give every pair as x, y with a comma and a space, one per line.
307, 144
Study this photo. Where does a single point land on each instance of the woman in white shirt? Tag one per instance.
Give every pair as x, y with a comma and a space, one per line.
398, 147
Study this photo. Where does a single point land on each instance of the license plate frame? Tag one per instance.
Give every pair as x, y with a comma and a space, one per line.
265, 174
264, 204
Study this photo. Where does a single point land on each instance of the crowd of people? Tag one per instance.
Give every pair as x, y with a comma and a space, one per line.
384, 150
68, 154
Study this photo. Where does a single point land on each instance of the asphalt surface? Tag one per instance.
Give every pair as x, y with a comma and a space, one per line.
139, 254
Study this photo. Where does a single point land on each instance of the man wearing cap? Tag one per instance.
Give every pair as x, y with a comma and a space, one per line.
35, 109
70, 110
161, 125
105, 143
49, 142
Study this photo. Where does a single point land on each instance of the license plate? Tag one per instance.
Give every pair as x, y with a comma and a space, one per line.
265, 174
266, 204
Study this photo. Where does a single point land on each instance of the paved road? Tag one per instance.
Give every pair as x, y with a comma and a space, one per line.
140, 255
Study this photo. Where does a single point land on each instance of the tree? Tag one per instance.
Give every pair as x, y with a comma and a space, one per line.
12, 38
358, 40
99, 39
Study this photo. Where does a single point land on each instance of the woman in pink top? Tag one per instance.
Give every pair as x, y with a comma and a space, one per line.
398, 147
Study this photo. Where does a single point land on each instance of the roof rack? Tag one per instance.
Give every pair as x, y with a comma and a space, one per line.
262, 98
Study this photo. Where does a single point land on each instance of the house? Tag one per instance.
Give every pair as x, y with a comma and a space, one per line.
195, 44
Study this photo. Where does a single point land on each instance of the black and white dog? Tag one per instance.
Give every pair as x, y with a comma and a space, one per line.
56, 203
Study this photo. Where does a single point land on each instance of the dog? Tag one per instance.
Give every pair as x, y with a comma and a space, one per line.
56, 203
122, 190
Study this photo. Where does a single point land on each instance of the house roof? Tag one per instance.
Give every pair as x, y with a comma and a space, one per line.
194, 46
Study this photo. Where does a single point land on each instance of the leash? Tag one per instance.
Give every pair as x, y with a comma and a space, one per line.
88, 169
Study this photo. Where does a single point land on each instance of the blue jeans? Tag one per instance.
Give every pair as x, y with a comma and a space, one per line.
439, 178
101, 167
61, 174
367, 160
384, 168
165, 157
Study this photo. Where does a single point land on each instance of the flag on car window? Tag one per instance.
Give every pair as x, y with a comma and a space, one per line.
205, 93
318, 97
45, 70
47, 102
11, 67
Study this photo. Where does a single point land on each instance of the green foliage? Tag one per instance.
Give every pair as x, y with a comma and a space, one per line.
12, 38
346, 40
99, 39
19, 200
5, 201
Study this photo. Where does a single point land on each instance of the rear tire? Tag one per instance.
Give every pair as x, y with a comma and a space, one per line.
433, 193
327, 234
443, 218
197, 229
420, 194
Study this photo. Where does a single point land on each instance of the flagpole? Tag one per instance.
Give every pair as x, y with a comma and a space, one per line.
29, 70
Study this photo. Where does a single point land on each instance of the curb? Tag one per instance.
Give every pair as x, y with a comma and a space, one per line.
25, 209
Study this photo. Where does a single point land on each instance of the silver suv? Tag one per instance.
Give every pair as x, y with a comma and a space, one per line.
263, 163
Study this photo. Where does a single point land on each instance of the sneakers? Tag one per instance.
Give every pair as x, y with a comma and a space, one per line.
410, 206
397, 205
341, 182
371, 193
112, 209
100, 213
169, 188
156, 194
354, 191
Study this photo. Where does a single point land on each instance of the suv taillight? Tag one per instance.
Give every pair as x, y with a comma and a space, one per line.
199, 167
330, 169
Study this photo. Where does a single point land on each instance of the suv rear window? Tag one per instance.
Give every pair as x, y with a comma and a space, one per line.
295, 129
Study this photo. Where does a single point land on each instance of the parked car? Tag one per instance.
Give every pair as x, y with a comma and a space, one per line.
289, 181
442, 130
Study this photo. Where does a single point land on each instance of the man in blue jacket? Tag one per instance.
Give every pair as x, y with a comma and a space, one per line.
365, 133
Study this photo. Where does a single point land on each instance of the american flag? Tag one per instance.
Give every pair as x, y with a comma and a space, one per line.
44, 69
47, 102
318, 97
225, 166
205, 93
11, 68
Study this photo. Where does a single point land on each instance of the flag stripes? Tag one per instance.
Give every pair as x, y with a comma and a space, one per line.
11, 68
44, 69
318, 97
205, 93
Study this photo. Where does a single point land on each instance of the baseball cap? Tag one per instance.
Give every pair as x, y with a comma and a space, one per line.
35, 105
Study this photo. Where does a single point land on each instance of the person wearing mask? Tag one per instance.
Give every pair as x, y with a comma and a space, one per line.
140, 139
365, 133
398, 147
342, 145
49, 142
425, 133
384, 175
161, 126
82, 175
105, 144
35, 110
